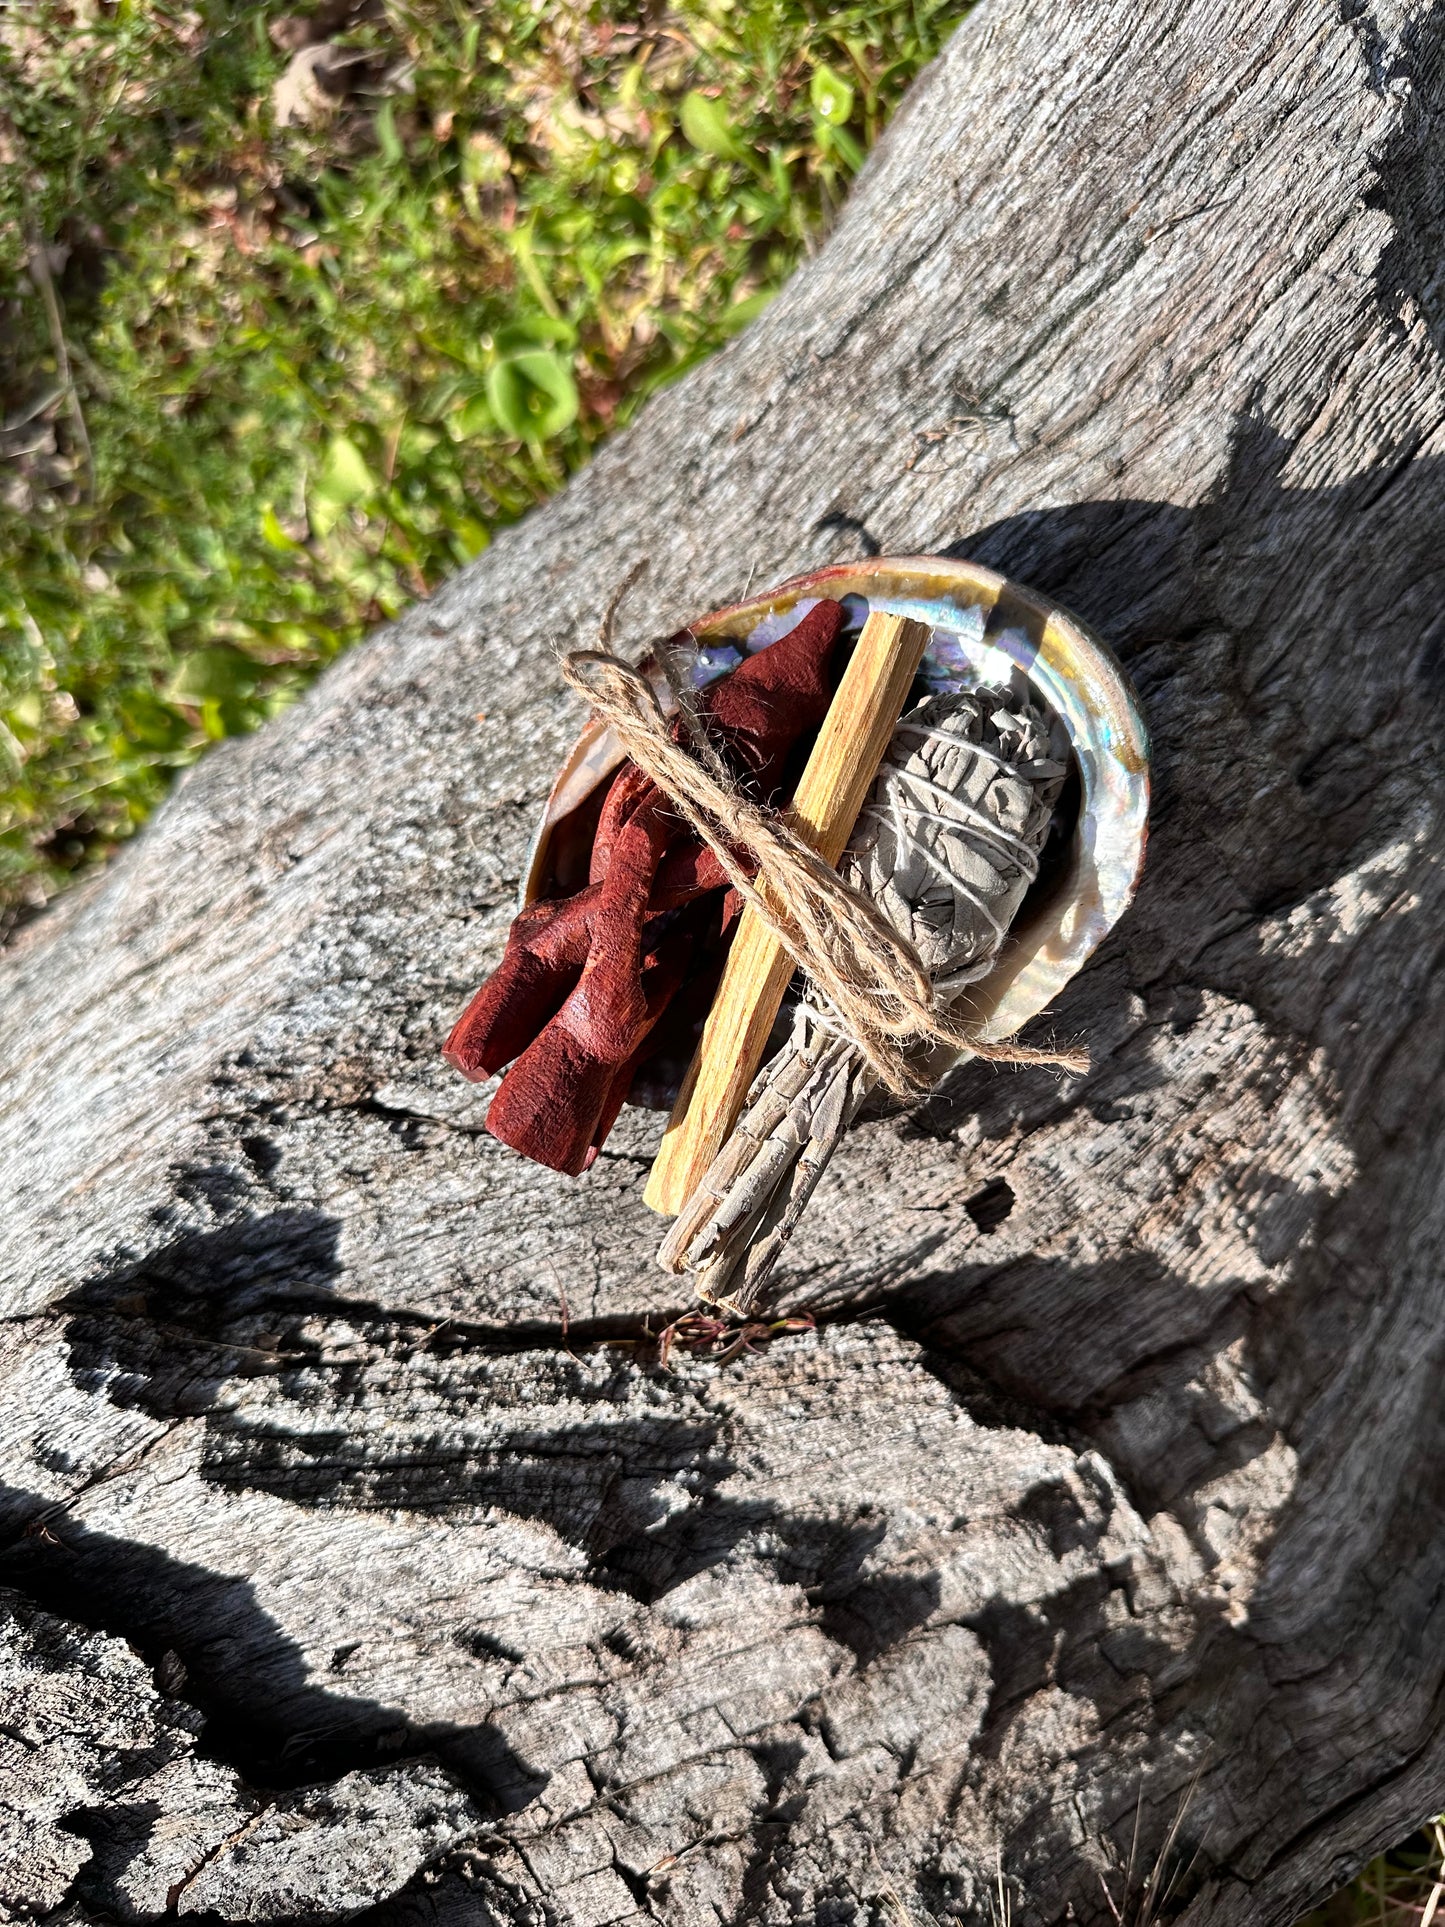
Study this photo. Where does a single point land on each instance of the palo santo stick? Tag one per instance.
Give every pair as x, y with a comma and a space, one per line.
832, 790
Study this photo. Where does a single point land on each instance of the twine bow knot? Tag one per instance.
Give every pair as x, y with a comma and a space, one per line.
870, 974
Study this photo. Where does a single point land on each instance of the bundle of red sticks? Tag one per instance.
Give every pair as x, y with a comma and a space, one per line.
586, 982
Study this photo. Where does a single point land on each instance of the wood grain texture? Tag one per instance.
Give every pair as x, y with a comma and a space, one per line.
1113, 1474
831, 791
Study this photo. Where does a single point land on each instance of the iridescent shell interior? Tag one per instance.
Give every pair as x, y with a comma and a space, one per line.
987, 631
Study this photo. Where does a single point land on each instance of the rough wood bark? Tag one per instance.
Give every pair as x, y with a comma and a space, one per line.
1111, 1484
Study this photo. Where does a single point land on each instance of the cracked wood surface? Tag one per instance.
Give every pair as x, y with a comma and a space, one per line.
1109, 1485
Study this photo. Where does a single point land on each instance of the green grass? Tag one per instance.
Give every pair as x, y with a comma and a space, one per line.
318, 365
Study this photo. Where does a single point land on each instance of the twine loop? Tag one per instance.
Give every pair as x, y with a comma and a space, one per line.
870, 974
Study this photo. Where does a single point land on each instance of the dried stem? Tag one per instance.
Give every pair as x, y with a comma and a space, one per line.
39, 266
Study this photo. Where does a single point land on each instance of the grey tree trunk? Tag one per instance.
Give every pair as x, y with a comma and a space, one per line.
1100, 1528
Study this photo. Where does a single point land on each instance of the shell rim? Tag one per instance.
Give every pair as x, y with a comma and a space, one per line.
1074, 670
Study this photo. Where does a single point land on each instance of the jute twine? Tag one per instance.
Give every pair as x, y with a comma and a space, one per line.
869, 972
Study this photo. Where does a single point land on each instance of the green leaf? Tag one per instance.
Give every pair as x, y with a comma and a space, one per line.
631, 213
844, 144
524, 254
707, 128
285, 635
219, 719
474, 418
148, 722
212, 675
415, 444
484, 160
537, 331
387, 138
470, 535
274, 536
12, 752
344, 479
742, 312
831, 96
533, 395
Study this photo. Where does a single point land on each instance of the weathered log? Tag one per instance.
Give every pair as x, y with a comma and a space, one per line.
1105, 1505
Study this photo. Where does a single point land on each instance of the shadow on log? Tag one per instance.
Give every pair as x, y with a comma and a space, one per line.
1101, 1525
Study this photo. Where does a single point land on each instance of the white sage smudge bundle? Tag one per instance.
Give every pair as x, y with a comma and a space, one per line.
947, 847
